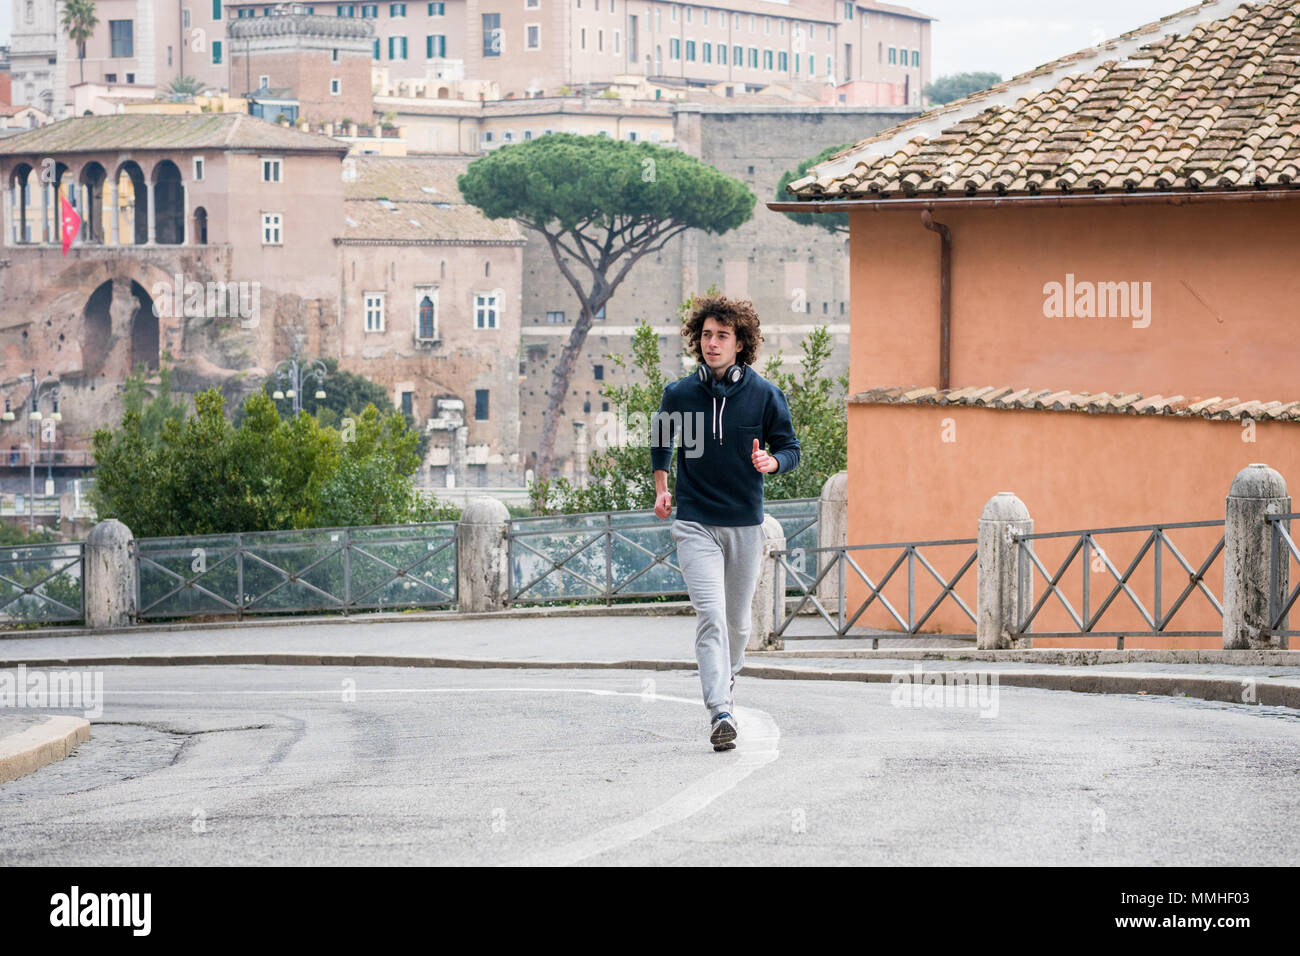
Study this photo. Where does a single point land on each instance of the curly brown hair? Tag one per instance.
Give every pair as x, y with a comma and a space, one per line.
738, 314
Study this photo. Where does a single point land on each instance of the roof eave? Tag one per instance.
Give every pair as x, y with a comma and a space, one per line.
905, 203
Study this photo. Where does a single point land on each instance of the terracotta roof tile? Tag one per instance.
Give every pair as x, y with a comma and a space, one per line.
1213, 107
83, 134
1097, 403
414, 199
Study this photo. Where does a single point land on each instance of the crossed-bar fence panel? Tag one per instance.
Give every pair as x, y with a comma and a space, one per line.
1283, 553
42, 583
920, 590
317, 569
1133, 594
608, 555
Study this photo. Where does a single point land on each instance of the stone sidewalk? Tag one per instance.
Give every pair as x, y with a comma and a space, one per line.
656, 642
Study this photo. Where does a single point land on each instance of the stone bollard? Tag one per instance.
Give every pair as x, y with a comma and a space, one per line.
482, 553
832, 532
110, 575
771, 582
1003, 587
1256, 491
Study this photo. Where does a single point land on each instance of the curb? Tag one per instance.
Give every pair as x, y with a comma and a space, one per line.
1231, 690
656, 609
1053, 655
26, 752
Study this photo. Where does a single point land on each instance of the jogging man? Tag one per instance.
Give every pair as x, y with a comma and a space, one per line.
720, 469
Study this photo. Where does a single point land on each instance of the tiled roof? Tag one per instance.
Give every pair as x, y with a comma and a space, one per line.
409, 199
1097, 403
1215, 107
85, 134
894, 9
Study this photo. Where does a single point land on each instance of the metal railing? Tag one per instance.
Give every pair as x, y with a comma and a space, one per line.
1281, 596
318, 569
840, 560
1155, 543
42, 583
604, 556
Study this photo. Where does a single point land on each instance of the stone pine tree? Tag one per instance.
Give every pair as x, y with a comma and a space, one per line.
79, 22
833, 222
601, 205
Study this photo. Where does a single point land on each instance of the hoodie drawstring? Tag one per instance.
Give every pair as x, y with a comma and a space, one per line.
713, 422
720, 411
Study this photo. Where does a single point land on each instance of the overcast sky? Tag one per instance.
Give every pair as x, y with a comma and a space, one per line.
1004, 36
1012, 36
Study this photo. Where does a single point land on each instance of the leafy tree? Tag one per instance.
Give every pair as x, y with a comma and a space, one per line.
834, 222
156, 408
204, 475
600, 204
346, 394
954, 86
819, 416
79, 22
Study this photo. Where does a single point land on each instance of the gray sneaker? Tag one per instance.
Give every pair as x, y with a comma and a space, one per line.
723, 735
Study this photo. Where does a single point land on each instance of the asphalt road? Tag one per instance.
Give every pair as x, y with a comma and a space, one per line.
345, 766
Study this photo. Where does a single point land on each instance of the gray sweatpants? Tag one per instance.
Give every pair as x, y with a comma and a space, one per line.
721, 566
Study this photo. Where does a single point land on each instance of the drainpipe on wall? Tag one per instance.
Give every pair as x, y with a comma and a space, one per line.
945, 296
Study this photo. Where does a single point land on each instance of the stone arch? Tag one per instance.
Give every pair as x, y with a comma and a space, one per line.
132, 207
169, 204
120, 329
144, 329
97, 334
24, 204
200, 234
61, 189
92, 179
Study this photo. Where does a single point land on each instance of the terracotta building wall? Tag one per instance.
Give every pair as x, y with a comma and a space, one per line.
1223, 285
1072, 471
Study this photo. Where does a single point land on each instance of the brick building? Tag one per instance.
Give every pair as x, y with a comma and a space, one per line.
430, 308
323, 61
237, 243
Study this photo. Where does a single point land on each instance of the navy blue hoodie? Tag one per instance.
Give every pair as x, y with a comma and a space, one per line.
714, 424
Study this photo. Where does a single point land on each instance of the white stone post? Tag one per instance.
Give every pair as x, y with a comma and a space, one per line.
1256, 491
771, 583
110, 575
832, 532
482, 553
1003, 588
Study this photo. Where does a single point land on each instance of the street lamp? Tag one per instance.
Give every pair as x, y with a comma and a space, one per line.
41, 388
296, 374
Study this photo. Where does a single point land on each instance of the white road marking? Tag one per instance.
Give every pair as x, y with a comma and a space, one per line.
757, 746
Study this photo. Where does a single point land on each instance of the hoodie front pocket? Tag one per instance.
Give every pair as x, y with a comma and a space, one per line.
744, 438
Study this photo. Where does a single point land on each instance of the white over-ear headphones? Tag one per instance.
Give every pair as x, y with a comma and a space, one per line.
732, 375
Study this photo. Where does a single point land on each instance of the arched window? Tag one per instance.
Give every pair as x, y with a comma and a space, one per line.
169, 200
201, 226
426, 317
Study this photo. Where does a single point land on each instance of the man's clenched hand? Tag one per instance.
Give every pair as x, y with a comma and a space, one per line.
762, 460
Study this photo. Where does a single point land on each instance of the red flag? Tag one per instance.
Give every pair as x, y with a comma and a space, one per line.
70, 223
